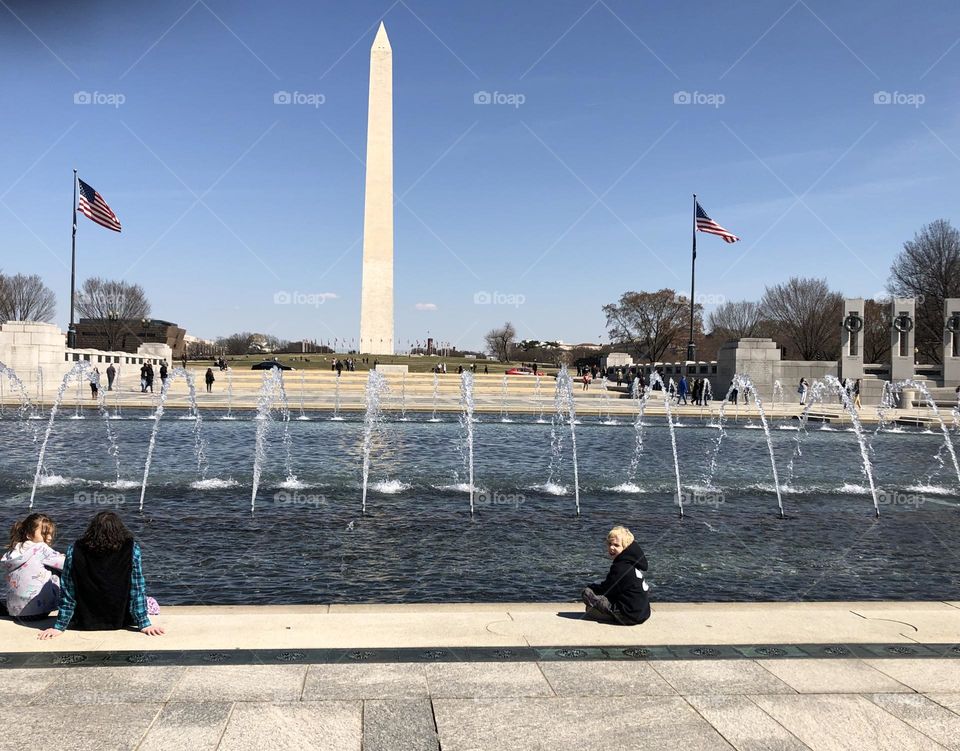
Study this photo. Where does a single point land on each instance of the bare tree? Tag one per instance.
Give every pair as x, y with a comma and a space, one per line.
928, 269
877, 322
806, 315
651, 323
117, 306
737, 320
500, 341
236, 344
26, 298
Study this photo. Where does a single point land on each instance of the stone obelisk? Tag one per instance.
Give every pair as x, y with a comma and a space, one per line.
376, 303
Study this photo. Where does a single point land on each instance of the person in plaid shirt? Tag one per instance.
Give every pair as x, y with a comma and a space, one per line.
102, 585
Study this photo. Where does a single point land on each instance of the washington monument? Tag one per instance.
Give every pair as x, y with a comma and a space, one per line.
376, 303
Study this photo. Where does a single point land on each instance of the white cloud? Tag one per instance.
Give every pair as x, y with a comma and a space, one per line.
425, 306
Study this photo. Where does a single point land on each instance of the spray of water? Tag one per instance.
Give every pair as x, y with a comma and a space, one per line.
199, 444
656, 379
841, 389
376, 387
504, 414
567, 410
932, 404
466, 423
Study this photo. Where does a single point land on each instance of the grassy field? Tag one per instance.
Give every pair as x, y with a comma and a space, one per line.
423, 364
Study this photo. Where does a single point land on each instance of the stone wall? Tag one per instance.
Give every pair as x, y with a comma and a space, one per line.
28, 347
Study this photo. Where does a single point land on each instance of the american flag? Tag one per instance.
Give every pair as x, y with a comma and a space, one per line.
93, 207
706, 224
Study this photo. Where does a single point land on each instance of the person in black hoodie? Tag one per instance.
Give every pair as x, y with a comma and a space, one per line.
622, 596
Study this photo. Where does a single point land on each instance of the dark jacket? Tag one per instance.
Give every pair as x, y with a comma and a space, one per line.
625, 585
102, 588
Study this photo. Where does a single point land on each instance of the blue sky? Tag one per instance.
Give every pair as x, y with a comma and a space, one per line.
575, 188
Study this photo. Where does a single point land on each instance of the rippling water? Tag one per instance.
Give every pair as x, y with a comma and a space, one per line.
308, 541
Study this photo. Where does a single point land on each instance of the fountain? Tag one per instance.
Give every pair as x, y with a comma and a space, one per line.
302, 379
436, 393
777, 393
229, 415
504, 414
84, 373
466, 422
932, 404
742, 384
605, 408
199, 445
26, 407
886, 403
337, 417
656, 379
538, 398
376, 387
39, 390
403, 397
842, 390
566, 409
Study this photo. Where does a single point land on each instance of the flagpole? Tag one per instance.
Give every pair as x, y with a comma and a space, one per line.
691, 347
72, 330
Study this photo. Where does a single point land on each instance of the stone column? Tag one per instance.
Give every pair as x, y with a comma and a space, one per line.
902, 358
951, 342
851, 339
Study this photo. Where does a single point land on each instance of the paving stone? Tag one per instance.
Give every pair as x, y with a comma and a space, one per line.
75, 727
925, 715
744, 724
297, 726
112, 685
832, 676
187, 726
365, 681
720, 677
30, 683
605, 679
221, 683
582, 723
950, 701
842, 722
923, 675
486, 679
392, 725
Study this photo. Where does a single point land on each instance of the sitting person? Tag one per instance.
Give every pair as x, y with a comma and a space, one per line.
622, 596
31, 588
102, 587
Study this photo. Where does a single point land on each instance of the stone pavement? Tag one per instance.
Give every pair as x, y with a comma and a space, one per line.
880, 676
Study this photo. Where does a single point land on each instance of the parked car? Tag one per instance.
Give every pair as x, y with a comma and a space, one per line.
524, 371
269, 365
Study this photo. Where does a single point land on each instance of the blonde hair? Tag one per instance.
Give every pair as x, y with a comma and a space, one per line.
621, 533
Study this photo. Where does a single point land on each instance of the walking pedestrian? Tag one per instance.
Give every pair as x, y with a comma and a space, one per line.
802, 390
209, 378
150, 377
856, 394
94, 387
111, 374
163, 375
682, 390
143, 379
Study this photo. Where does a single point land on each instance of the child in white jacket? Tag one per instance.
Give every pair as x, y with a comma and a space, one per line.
30, 568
